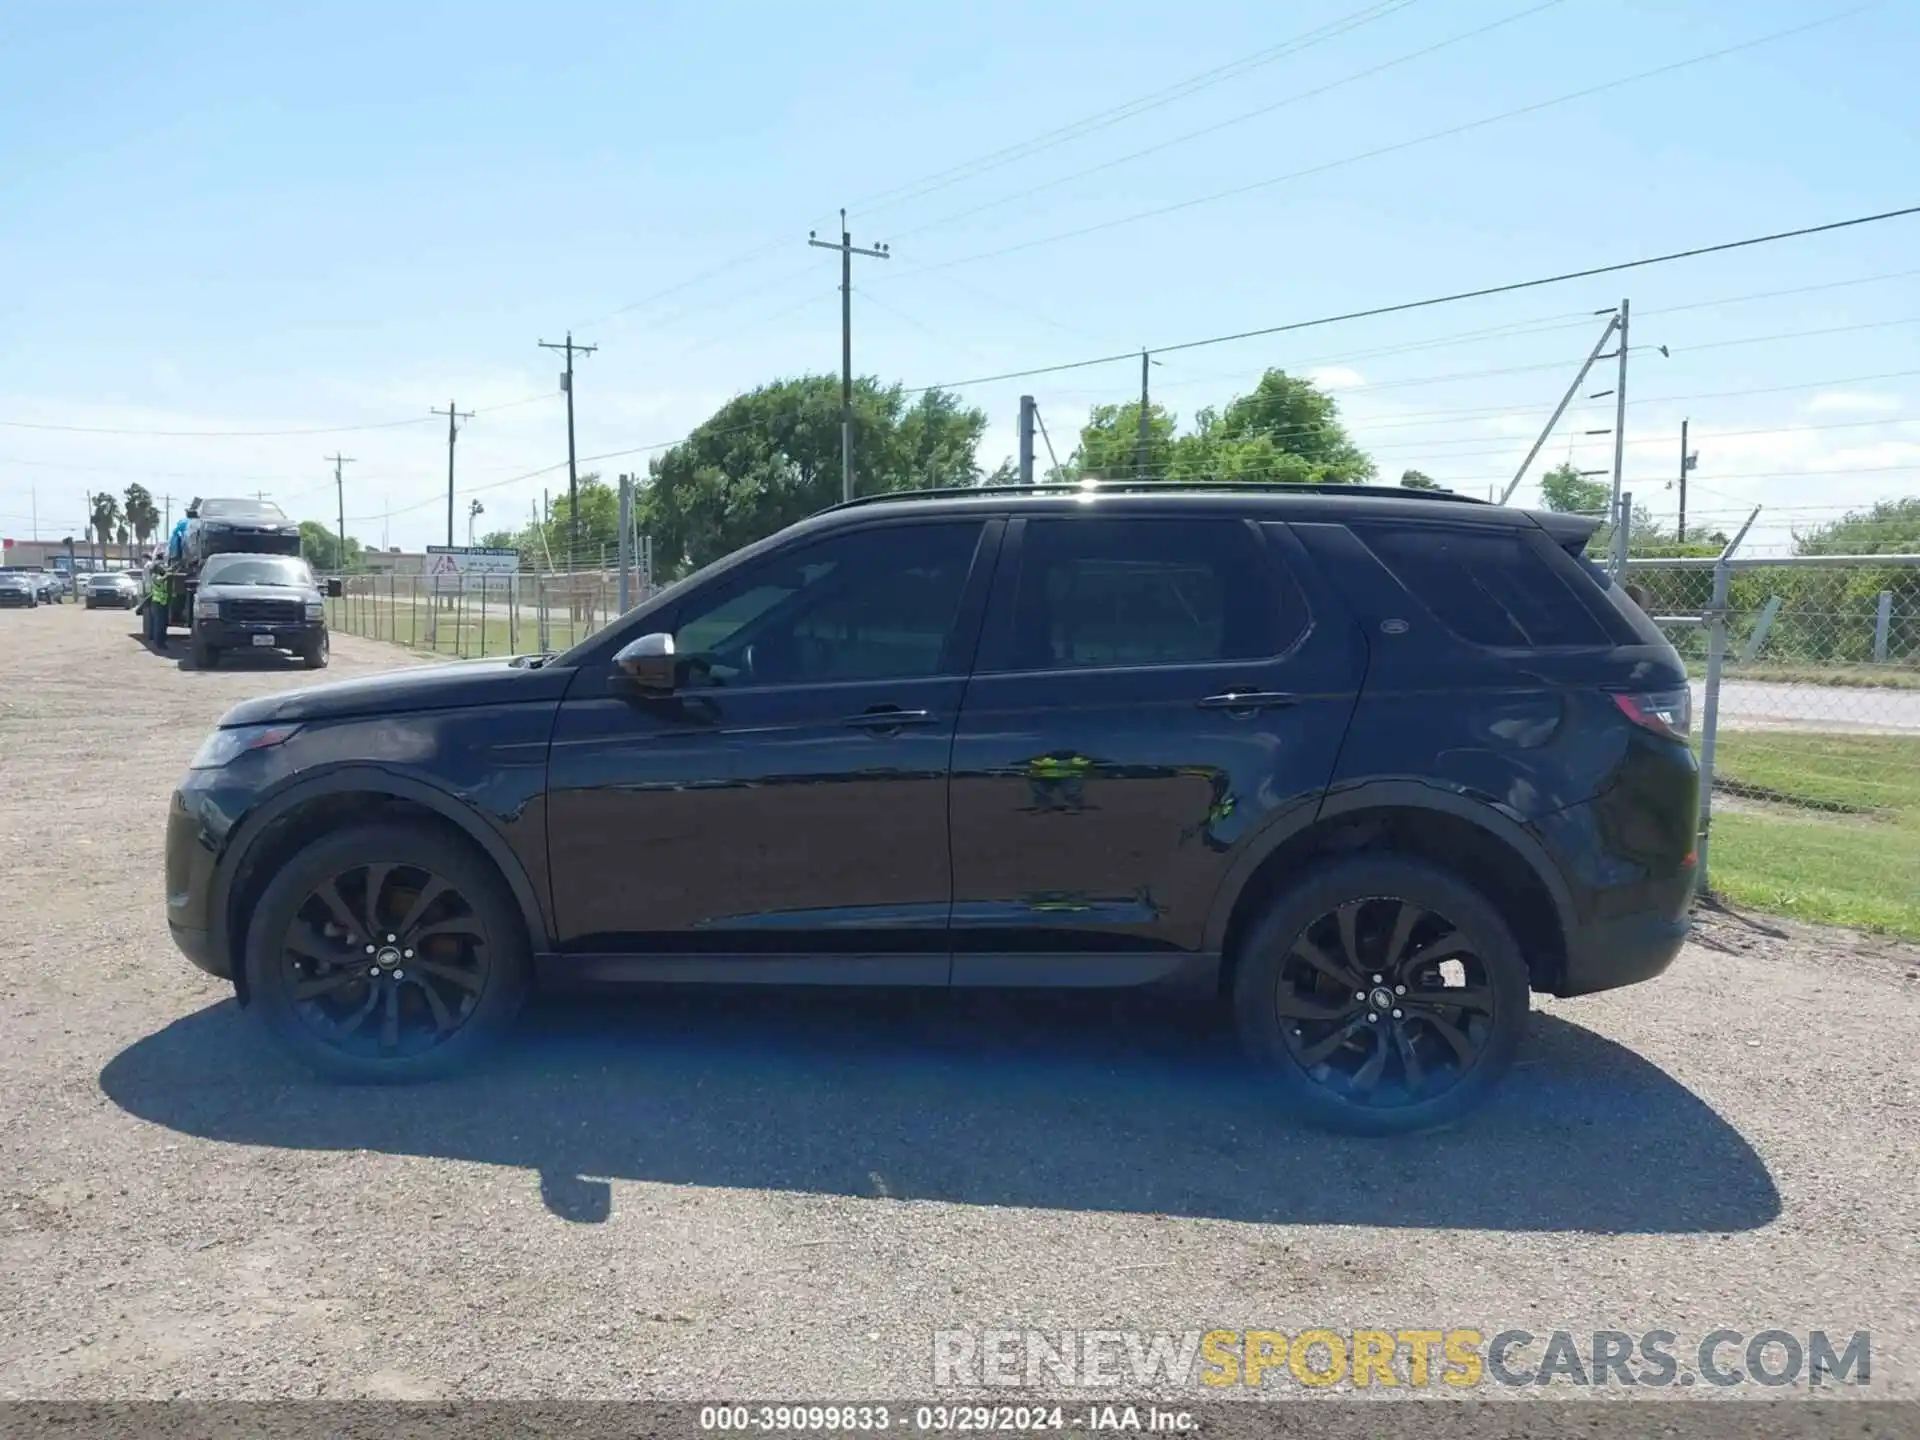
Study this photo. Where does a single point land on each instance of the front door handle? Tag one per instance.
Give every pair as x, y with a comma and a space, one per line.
882, 719
1248, 702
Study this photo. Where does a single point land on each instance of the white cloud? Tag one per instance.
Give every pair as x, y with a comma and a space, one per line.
1853, 402
1337, 377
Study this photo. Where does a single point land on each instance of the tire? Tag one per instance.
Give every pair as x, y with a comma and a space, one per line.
205, 657
1320, 1051
314, 654
493, 969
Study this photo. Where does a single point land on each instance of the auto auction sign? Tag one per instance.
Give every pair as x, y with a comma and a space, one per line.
471, 560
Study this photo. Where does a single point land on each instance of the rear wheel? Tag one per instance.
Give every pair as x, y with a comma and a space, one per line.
1384, 995
387, 953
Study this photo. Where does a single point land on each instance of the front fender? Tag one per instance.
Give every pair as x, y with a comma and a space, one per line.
375, 780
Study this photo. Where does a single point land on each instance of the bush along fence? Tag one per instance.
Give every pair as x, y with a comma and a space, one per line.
1806, 680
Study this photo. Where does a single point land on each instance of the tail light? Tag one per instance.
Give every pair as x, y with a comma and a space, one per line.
1667, 713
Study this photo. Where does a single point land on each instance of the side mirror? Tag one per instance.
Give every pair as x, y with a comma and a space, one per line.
648, 664
336, 587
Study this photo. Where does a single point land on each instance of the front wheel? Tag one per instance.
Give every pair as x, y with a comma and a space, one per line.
387, 953
314, 653
205, 657
1383, 994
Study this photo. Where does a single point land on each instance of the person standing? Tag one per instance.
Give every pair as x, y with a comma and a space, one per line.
159, 600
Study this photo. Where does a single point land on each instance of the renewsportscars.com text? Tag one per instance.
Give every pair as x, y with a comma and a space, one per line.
1456, 1358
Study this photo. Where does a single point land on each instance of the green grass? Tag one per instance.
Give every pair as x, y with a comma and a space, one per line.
1836, 838
461, 635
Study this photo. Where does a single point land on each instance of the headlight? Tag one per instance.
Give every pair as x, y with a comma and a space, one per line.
206, 609
223, 747
316, 610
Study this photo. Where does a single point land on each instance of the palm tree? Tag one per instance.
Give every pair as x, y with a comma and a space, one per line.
143, 516
105, 516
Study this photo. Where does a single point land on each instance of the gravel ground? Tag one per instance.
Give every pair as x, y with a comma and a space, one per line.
697, 1196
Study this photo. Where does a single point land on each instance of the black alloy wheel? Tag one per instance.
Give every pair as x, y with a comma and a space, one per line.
1385, 1003
387, 953
1383, 993
385, 961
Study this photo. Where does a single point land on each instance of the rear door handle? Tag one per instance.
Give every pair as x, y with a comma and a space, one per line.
888, 719
1247, 702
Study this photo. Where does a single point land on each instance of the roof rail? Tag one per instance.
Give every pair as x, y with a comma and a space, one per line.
1155, 487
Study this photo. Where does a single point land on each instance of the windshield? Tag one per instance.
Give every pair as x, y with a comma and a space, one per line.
256, 570
251, 510
105, 579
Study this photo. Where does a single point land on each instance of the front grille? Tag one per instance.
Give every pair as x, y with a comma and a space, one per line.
262, 612
14, 597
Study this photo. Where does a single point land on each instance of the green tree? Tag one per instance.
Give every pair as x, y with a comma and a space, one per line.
501, 540
599, 537
1891, 527
1418, 480
1110, 444
1285, 429
772, 456
103, 516
141, 513
321, 546
1565, 489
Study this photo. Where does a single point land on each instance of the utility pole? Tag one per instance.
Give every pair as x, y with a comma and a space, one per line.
1026, 439
847, 250
573, 478
1140, 444
1620, 437
1688, 459
1614, 322
454, 415
626, 540
340, 496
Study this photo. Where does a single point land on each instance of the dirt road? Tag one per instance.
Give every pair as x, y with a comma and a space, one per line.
696, 1197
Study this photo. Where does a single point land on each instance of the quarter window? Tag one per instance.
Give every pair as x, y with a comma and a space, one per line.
1489, 587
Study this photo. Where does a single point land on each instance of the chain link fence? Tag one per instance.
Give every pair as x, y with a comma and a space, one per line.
1806, 679
475, 616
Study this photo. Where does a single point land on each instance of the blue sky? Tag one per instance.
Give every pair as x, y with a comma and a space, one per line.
263, 217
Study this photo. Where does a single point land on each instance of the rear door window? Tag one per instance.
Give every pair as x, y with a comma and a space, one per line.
1120, 593
1489, 587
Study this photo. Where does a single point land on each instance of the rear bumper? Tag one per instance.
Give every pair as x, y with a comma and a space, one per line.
1621, 952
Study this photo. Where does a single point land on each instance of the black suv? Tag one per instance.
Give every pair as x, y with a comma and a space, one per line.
1368, 765
258, 602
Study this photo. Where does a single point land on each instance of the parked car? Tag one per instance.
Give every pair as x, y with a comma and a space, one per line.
1368, 765
51, 589
258, 602
115, 588
18, 590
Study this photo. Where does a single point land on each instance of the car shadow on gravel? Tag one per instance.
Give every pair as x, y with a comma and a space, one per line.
1075, 1102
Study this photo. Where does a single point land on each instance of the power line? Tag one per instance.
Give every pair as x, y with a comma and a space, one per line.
1451, 298
1227, 123
205, 434
1101, 120
1046, 140
1447, 133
